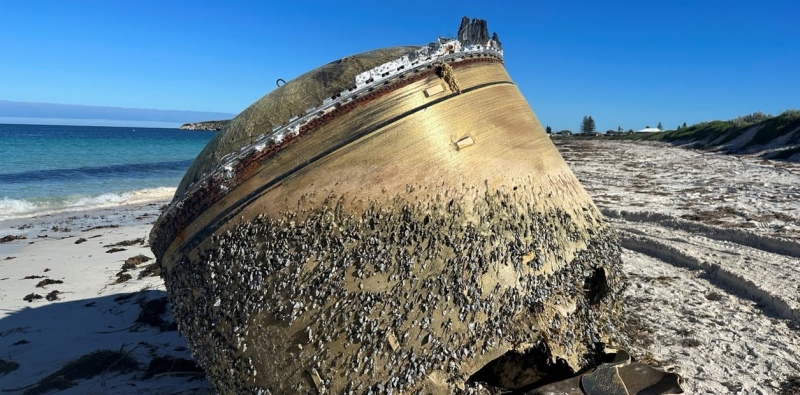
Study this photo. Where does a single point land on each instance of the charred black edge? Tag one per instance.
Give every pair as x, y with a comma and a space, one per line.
195, 202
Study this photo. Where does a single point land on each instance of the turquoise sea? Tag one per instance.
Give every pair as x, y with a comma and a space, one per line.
45, 169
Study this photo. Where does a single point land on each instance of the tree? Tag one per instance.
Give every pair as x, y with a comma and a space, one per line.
619, 129
587, 126
750, 119
684, 125
548, 130
659, 125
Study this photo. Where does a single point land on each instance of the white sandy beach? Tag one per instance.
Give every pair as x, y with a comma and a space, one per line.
89, 311
712, 246
712, 251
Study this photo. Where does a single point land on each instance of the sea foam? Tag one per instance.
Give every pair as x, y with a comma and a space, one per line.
16, 208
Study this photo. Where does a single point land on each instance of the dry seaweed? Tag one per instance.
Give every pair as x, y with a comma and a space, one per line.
48, 281
9, 238
100, 227
133, 262
52, 296
636, 332
151, 270
122, 277
125, 297
31, 297
7, 367
130, 263
171, 365
152, 314
128, 243
87, 366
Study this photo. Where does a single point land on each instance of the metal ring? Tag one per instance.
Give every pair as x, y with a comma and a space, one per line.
278, 82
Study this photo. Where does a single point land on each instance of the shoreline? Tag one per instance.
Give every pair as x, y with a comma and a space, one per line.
79, 282
78, 206
66, 224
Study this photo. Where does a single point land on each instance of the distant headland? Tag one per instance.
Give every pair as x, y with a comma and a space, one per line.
17, 112
206, 125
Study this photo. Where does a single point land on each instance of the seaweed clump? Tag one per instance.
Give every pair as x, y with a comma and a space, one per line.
53, 296
87, 366
128, 243
130, 264
48, 281
31, 297
152, 314
151, 270
7, 367
171, 365
10, 238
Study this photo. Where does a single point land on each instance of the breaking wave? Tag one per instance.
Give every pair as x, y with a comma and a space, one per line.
17, 208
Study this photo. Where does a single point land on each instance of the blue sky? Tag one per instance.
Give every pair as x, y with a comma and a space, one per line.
625, 63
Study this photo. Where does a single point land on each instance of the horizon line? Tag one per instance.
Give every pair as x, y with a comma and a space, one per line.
94, 122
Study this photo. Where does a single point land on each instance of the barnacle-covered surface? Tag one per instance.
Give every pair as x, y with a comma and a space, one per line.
414, 296
402, 244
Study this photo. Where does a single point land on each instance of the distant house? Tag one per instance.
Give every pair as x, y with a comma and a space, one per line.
649, 130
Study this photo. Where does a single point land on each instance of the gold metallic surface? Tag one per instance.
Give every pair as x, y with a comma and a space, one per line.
290, 99
507, 134
406, 243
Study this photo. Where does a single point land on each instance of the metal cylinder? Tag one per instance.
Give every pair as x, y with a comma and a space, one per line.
401, 238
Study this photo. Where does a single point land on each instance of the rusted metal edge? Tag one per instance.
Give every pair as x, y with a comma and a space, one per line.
184, 210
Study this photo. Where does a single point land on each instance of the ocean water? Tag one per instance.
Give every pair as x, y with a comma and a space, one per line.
48, 169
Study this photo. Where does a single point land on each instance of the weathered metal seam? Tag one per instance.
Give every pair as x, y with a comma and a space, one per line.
234, 209
186, 209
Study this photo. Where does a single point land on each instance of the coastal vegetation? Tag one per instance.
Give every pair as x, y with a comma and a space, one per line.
770, 137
